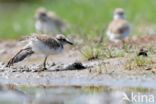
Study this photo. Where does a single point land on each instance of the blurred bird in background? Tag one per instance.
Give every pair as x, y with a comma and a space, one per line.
119, 29
47, 22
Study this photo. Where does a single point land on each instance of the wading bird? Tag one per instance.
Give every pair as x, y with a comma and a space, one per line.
42, 44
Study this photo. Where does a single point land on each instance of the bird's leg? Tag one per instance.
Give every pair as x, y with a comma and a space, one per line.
44, 63
123, 44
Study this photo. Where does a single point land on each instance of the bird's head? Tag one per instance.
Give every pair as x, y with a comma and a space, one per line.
41, 14
119, 13
63, 39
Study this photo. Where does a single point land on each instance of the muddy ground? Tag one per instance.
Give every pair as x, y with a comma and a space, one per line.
99, 72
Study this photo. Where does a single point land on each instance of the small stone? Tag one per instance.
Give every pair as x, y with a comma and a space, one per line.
143, 52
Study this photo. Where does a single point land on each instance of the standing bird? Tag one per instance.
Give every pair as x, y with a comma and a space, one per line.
61, 25
43, 44
119, 29
47, 22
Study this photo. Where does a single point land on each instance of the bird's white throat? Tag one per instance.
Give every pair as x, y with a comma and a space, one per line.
116, 17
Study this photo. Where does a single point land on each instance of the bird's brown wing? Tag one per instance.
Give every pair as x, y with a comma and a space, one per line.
49, 41
119, 26
21, 55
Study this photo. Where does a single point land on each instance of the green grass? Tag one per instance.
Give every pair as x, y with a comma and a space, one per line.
139, 62
91, 53
88, 18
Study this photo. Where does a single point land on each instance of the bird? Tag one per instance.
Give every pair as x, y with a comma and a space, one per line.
42, 44
119, 28
47, 22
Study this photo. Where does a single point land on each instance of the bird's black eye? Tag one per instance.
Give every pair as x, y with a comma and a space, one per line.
43, 14
121, 13
64, 39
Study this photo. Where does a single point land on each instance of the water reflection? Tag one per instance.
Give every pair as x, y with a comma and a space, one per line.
11, 94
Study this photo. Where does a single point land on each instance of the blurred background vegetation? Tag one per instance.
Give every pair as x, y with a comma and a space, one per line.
88, 18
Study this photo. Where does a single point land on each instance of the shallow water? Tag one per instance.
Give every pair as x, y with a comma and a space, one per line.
75, 95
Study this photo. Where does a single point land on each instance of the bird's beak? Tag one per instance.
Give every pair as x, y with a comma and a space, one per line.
69, 42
